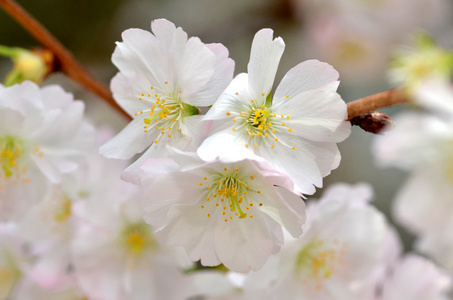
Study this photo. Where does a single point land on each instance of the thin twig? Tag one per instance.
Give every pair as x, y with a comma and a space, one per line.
375, 101
65, 59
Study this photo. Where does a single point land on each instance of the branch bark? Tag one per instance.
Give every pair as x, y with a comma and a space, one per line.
367, 104
75, 71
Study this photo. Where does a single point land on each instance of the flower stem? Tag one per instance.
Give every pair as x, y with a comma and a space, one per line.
68, 64
8, 51
375, 101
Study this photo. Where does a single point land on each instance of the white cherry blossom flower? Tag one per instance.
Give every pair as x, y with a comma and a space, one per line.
344, 253
224, 210
416, 278
115, 254
42, 136
163, 78
297, 127
422, 144
48, 226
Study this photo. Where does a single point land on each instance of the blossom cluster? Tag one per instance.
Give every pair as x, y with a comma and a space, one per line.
203, 193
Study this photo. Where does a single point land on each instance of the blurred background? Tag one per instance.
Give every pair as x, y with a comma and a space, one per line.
357, 37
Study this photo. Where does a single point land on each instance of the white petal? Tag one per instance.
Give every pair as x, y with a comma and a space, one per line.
193, 230
144, 48
10, 122
229, 101
49, 169
316, 115
190, 129
298, 164
264, 59
164, 30
292, 211
128, 90
131, 140
417, 278
219, 81
53, 96
308, 75
222, 145
244, 244
196, 69
153, 168
133, 172
168, 190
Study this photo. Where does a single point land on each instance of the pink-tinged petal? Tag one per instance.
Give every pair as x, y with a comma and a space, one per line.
306, 76
244, 244
264, 59
50, 271
196, 69
133, 136
219, 81
316, 115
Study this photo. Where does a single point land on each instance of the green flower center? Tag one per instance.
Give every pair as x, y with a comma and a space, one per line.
318, 261
260, 125
165, 113
10, 153
137, 239
229, 192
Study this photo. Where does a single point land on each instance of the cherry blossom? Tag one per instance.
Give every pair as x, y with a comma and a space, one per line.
163, 78
224, 210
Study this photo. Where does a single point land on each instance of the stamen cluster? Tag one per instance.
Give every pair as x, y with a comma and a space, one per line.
230, 192
260, 125
165, 113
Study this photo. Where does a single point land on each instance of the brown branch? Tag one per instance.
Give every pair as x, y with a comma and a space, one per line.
75, 71
65, 59
375, 101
